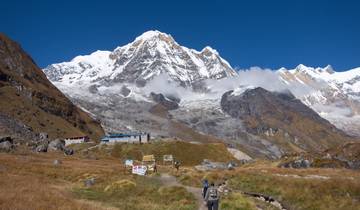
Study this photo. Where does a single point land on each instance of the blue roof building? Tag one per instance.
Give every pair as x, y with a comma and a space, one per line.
126, 138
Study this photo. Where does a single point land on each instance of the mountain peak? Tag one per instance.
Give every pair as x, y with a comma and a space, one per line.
329, 69
209, 50
301, 67
151, 34
149, 55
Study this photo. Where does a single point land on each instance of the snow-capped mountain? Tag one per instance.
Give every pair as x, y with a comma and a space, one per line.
347, 82
334, 95
132, 87
151, 54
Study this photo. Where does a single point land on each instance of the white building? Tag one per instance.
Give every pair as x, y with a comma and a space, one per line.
126, 138
76, 140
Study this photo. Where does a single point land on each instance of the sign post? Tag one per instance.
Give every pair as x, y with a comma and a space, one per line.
139, 170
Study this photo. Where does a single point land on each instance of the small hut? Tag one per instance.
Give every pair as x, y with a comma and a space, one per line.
149, 161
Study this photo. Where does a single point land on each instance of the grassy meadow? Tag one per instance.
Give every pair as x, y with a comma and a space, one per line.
32, 181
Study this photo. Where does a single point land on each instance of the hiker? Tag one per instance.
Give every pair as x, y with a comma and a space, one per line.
177, 165
155, 168
205, 187
212, 197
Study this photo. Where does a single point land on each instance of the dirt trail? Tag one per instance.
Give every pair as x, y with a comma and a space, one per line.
169, 180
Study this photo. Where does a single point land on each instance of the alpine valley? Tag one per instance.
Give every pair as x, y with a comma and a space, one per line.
154, 84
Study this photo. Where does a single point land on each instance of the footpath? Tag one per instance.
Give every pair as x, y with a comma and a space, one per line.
169, 180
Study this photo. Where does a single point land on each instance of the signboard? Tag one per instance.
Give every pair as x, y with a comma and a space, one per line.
139, 170
129, 162
169, 158
148, 158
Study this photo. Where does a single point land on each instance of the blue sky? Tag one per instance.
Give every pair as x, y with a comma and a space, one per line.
269, 34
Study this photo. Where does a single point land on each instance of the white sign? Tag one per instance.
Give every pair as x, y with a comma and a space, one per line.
129, 162
139, 170
169, 158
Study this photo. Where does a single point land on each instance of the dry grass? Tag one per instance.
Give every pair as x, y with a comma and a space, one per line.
297, 189
237, 201
188, 154
31, 181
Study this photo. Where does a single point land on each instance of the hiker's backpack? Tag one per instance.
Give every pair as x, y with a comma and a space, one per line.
206, 184
213, 193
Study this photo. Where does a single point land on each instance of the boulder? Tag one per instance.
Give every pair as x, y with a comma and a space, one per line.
89, 182
68, 151
6, 146
298, 163
354, 164
41, 148
43, 136
6, 138
57, 145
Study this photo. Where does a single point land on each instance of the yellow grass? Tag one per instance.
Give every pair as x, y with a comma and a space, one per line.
31, 181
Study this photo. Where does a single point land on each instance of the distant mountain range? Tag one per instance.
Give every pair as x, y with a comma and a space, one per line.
154, 84
334, 95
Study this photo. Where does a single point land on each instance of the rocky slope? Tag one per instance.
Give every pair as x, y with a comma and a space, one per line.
31, 103
282, 118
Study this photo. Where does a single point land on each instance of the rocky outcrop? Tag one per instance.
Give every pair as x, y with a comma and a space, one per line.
170, 103
43, 147
57, 145
297, 163
68, 151
6, 144
208, 165
125, 91
343, 156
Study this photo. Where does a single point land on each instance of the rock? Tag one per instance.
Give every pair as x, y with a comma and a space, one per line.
68, 151
208, 165
239, 155
43, 136
93, 89
140, 82
231, 165
125, 91
57, 145
173, 98
298, 163
6, 146
166, 102
354, 164
57, 162
89, 182
41, 148
6, 138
